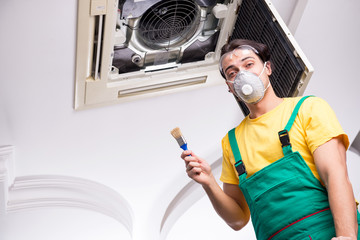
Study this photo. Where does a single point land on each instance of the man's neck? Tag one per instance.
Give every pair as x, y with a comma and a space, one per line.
268, 103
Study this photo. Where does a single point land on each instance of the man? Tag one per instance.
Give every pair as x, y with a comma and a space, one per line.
305, 194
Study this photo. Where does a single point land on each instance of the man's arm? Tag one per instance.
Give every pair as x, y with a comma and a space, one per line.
230, 203
330, 160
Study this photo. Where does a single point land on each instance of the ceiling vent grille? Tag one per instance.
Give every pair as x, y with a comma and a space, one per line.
169, 24
256, 22
130, 49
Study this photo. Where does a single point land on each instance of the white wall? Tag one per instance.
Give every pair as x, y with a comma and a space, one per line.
127, 147
329, 35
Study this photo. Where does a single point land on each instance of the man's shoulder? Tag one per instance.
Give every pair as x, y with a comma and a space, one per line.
310, 101
237, 129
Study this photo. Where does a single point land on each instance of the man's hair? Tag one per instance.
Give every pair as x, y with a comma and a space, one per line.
262, 50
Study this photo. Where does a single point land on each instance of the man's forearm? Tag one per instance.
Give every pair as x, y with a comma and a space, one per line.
227, 207
330, 160
343, 207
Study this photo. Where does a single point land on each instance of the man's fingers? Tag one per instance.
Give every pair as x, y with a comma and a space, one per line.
191, 165
186, 153
194, 172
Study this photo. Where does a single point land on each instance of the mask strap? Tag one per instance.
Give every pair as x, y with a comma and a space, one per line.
267, 86
262, 73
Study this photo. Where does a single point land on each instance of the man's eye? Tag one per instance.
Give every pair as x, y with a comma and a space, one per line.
232, 74
249, 65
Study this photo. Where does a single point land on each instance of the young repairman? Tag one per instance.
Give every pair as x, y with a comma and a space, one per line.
284, 164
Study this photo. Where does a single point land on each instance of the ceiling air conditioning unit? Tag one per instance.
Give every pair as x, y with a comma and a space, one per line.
129, 49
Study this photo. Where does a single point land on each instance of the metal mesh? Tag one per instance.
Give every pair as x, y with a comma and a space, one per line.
169, 23
255, 22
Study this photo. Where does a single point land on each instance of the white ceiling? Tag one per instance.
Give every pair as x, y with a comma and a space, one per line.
124, 153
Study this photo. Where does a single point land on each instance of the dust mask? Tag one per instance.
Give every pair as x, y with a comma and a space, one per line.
249, 87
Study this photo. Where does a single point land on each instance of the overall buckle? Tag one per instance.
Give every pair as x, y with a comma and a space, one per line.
284, 138
240, 167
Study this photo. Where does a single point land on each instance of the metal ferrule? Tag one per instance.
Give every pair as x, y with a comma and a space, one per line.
181, 141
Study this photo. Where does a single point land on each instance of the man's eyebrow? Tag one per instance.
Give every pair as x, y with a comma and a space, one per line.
231, 66
242, 60
245, 58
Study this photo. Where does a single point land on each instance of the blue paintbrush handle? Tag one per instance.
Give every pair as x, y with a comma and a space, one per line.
184, 147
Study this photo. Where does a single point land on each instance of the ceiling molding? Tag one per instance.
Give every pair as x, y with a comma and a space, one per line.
187, 196
6, 174
355, 145
50, 191
54, 191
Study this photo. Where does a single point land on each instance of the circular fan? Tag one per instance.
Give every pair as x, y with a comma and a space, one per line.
169, 23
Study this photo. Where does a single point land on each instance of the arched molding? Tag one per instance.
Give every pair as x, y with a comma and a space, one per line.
187, 196
6, 174
42, 191
53, 191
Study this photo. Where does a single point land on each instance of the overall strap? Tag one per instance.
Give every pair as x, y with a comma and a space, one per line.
294, 113
284, 134
239, 165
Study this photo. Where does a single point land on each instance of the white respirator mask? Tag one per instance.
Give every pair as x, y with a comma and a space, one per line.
249, 87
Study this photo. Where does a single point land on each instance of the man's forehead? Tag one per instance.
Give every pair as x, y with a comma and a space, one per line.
238, 55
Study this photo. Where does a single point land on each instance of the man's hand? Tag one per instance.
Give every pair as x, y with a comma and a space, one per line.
197, 168
343, 238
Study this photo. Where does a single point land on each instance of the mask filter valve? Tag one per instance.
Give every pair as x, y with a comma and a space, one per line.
247, 89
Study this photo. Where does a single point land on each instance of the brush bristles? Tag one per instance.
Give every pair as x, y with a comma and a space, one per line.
176, 133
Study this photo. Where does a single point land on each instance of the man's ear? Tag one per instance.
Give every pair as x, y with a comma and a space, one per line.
268, 68
229, 88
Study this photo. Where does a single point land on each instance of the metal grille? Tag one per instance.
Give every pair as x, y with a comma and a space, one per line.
255, 22
169, 23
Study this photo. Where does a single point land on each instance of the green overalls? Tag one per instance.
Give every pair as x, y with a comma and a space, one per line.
286, 201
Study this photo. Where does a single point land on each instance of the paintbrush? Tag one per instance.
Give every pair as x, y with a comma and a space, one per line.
176, 133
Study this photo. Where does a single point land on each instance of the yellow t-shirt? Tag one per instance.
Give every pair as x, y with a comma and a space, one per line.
259, 142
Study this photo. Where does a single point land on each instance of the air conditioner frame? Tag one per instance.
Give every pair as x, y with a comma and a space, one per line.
104, 89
